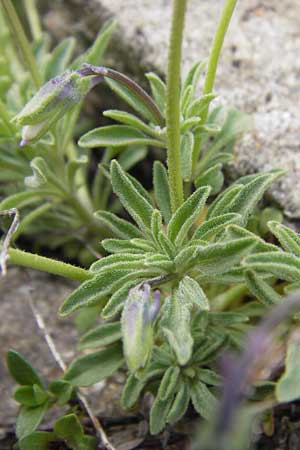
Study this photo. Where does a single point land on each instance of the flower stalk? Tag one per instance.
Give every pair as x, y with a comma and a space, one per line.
173, 103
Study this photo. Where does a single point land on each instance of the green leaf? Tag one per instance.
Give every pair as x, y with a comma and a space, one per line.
204, 402
129, 119
166, 245
204, 354
92, 291
22, 199
221, 257
212, 177
191, 293
180, 404
193, 76
102, 335
287, 237
219, 206
132, 200
186, 215
162, 190
119, 261
29, 419
261, 290
176, 326
158, 89
21, 370
117, 300
213, 226
285, 266
226, 318
60, 58
70, 430
288, 385
94, 367
116, 136
246, 200
63, 390
31, 395
187, 147
197, 106
156, 224
131, 156
38, 440
168, 383
131, 391
158, 414
210, 377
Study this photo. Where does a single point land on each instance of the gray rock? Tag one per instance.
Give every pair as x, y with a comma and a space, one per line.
259, 71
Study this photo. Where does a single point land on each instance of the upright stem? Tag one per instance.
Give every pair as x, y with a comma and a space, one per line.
216, 50
33, 19
44, 264
22, 41
173, 103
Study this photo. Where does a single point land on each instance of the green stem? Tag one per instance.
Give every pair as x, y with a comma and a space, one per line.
228, 298
216, 50
173, 103
33, 19
22, 41
37, 262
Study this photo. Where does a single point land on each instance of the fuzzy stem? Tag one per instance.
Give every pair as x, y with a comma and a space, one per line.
22, 41
44, 264
173, 103
216, 50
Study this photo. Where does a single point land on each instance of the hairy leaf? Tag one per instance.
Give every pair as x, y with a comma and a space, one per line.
162, 190
211, 227
119, 227
285, 266
261, 290
289, 240
180, 404
186, 215
104, 334
94, 367
204, 402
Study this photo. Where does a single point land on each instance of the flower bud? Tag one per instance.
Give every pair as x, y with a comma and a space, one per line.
50, 103
137, 318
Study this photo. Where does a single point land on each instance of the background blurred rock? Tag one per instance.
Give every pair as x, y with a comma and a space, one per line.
259, 71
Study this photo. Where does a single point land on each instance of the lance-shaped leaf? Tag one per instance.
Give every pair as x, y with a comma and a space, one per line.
156, 225
288, 386
94, 367
131, 120
168, 383
211, 227
70, 430
212, 177
191, 293
221, 257
220, 205
208, 376
119, 227
180, 404
116, 260
187, 146
92, 291
285, 266
260, 289
287, 237
159, 413
60, 58
186, 215
204, 402
131, 391
158, 90
132, 200
137, 317
21, 370
236, 232
246, 200
176, 325
29, 418
197, 106
116, 136
102, 335
193, 76
162, 190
